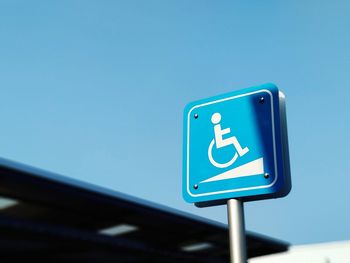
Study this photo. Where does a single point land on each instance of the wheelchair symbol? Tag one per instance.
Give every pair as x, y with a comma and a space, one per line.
220, 142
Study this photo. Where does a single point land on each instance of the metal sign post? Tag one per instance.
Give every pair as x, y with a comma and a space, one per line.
235, 212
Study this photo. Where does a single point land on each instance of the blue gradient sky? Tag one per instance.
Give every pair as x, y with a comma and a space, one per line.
95, 90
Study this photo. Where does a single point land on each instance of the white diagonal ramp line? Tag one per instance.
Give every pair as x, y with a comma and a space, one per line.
252, 168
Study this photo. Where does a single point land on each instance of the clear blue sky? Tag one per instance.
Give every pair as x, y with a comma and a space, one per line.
95, 90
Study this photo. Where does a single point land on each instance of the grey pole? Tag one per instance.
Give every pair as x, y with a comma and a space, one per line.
238, 248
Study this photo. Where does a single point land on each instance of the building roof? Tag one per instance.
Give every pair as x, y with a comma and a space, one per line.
51, 218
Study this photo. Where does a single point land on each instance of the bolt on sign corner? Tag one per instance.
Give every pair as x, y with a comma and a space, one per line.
236, 146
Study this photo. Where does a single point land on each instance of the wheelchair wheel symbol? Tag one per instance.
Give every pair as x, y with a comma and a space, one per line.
216, 164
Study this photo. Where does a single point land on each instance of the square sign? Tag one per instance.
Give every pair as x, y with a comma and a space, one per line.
236, 146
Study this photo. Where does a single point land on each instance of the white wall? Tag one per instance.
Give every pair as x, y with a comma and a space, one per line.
335, 252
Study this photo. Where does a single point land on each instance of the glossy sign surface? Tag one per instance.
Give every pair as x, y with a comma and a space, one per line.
235, 146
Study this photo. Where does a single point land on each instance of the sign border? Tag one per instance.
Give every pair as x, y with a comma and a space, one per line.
215, 193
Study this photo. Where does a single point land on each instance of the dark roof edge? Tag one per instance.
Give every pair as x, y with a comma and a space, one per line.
42, 174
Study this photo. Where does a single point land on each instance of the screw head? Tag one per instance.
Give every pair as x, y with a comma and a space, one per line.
262, 100
196, 116
266, 175
195, 186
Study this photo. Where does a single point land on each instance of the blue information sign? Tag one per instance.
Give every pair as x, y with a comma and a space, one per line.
236, 146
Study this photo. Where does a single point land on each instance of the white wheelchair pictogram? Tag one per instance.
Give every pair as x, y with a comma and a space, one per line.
220, 142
